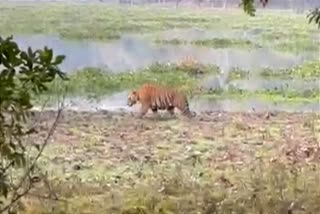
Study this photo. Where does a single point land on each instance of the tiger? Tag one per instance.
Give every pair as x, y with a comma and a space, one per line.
156, 97
188, 62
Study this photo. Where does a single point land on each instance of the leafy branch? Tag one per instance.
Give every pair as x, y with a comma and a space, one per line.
24, 75
314, 16
249, 8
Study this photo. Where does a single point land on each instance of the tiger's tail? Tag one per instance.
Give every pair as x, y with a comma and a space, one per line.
187, 112
185, 109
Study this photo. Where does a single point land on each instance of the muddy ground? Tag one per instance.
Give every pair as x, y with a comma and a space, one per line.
215, 138
107, 162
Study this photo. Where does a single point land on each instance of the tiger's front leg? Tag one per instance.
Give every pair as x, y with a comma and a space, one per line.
155, 112
143, 111
154, 109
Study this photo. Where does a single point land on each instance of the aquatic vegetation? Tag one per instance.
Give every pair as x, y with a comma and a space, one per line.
308, 70
97, 82
275, 95
224, 43
213, 43
237, 73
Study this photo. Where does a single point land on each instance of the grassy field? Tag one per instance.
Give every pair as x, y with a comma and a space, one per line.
96, 83
284, 31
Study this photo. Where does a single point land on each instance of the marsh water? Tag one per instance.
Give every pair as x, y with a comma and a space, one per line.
133, 53
117, 102
130, 53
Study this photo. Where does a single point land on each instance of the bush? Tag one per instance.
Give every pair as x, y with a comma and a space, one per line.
23, 74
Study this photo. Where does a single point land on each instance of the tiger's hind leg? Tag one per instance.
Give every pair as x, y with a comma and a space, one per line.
188, 113
185, 110
170, 110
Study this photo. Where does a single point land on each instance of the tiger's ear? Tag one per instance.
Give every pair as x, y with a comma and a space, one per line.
134, 92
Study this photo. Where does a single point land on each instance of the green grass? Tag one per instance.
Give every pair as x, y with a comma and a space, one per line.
280, 96
274, 95
96, 83
237, 73
308, 70
290, 40
105, 22
92, 21
291, 33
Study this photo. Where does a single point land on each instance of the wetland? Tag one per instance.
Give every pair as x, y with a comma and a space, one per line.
254, 83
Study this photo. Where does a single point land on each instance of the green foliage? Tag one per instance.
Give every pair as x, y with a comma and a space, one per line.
187, 76
249, 8
314, 16
24, 74
308, 70
274, 95
97, 82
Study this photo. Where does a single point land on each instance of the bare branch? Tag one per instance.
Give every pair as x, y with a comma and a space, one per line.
39, 116
47, 197
16, 196
7, 167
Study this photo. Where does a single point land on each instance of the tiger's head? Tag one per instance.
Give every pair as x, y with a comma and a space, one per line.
133, 98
